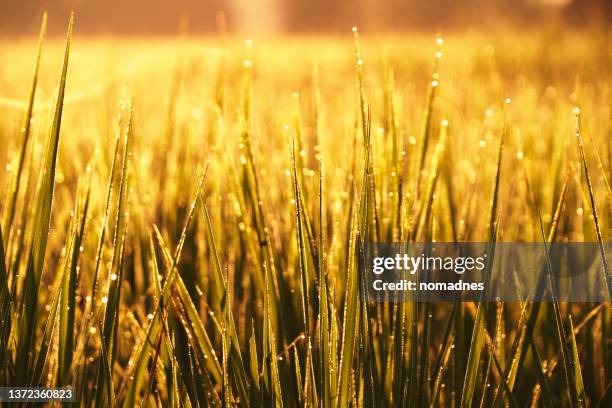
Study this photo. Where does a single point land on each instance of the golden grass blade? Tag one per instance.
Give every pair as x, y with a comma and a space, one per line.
270, 366
575, 362
602, 170
4, 306
42, 217
309, 389
427, 118
570, 381
326, 354
111, 312
252, 189
428, 197
107, 392
358, 232
235, 357
478, 334
443, 358
107, 207
602, 251
140, 356
47, 337
9, 211
68, 293
194, 321
253, 361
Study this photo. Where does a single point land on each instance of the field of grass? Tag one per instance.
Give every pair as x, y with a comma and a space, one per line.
181, 218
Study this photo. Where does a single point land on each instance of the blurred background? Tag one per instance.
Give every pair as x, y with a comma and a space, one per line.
159, 17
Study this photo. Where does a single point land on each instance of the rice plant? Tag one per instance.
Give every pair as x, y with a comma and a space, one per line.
183, 221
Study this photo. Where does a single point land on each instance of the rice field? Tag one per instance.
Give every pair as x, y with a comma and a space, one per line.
181, 217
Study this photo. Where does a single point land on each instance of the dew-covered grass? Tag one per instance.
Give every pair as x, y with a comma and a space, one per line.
181, 218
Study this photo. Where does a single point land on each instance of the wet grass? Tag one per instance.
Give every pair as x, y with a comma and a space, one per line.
191, 233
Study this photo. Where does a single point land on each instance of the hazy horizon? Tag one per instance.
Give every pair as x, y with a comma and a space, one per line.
142, 18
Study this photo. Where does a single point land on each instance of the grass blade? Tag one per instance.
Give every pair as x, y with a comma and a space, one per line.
68, 294
9, 212
478, 334
42, 217
602, 251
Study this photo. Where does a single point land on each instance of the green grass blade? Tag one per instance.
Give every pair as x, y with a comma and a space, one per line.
350, 328
111, 312
5, 309
308, 392
253, 359
42, 218
428, 197
522, 343
326, 363
142, 353
107, 390
575, 362
443, 357
561, 336
270, 369
476, 346
47, 338
427, 119
68, 295
9, 212
478, 333
194, 321
105, 218
235, 357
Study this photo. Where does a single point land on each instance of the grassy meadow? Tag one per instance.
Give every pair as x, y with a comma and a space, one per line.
181, 217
